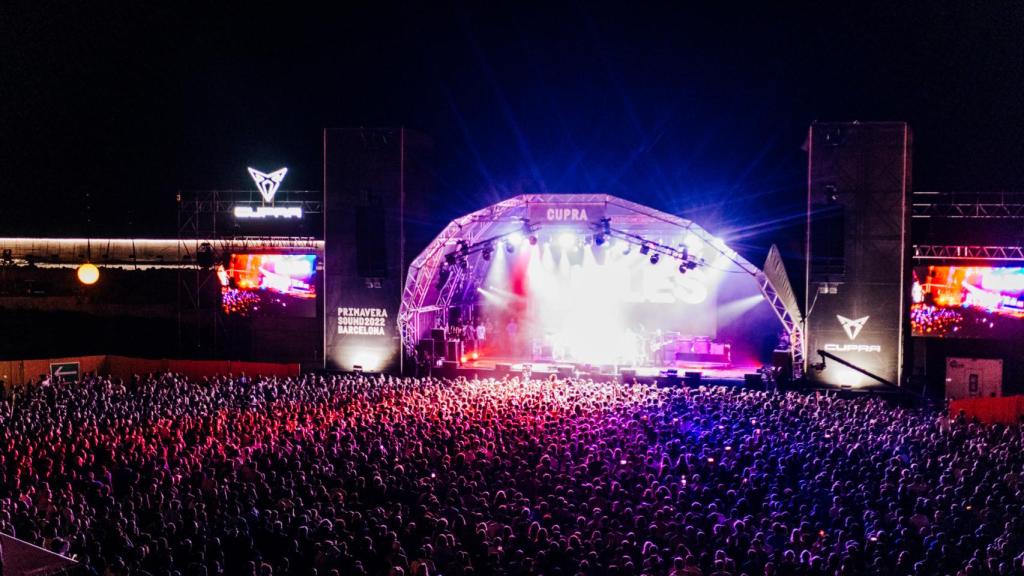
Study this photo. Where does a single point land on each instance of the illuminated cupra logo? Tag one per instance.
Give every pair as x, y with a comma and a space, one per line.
852, 327
268, 184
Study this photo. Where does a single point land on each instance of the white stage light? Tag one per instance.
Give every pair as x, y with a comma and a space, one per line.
725, 250
88, 274
693, 243
514, 239
567, 240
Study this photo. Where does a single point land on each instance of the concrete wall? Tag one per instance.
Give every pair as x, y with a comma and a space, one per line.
20, 372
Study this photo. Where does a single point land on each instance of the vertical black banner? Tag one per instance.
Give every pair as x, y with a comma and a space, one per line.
374, 180
857, 250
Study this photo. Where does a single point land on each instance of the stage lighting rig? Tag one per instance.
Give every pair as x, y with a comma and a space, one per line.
486, 247
604, 233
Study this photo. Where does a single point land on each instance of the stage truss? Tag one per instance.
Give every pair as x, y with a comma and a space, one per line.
424, 296
954, 252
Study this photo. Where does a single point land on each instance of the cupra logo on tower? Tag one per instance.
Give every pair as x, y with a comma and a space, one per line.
267, 184
852, 327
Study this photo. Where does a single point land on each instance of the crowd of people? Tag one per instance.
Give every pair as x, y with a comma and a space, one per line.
359, 475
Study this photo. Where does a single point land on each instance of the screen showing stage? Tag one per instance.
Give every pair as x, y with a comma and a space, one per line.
967, 301
269, 284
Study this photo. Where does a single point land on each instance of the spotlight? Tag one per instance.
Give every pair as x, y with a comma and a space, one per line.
691, 265
645, 249
463, 263
509, 247
487, 252
625, 246
655, 257
88, 274
514, 239
533, 240
683, 268
567, 240
599, 239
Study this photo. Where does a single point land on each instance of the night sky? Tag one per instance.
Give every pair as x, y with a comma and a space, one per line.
108, 110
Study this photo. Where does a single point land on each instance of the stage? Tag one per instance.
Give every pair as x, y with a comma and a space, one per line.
506, 365
589, 285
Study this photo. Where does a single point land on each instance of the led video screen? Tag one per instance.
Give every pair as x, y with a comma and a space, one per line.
967, 302
269, 285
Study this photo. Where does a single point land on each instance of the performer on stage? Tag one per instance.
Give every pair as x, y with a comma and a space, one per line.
481, 333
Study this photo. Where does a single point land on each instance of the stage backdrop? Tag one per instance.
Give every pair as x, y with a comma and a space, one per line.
858, 232
376, 182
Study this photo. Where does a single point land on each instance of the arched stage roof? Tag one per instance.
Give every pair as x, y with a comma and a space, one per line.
432, 282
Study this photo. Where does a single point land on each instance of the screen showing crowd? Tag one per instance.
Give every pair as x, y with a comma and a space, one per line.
269, 284
967, 301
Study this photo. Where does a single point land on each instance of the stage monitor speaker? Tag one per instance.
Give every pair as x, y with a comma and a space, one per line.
502, 369
783, 361
440, 350
437, 334
669, 379
425, 346
449, 369
692, 378
858, 244
753, 381
628, 375
454, 351
565, 371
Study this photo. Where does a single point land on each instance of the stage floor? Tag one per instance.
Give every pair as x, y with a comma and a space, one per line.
708, 371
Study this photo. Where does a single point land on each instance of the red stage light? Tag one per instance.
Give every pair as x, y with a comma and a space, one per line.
475, 355
463, 359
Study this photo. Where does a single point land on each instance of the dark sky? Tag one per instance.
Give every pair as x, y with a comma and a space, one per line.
699, 111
